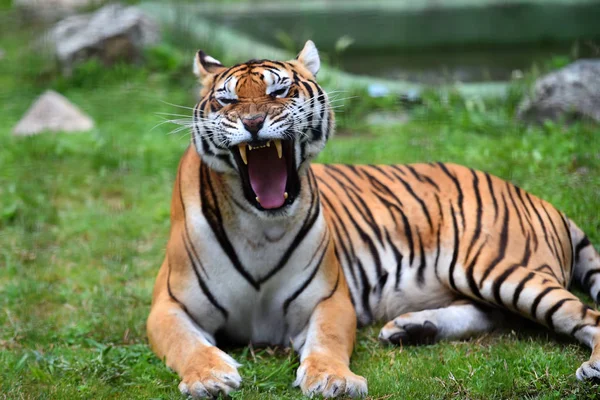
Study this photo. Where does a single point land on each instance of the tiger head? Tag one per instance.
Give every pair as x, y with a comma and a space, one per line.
262, 121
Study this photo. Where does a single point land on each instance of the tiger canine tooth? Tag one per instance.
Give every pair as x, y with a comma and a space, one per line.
269, 143
285, 195
257, 200
278, 146
242, 148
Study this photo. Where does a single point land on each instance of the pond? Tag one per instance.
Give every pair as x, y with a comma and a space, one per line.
439, 66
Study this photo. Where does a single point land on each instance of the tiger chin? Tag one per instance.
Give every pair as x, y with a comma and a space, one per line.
266, 248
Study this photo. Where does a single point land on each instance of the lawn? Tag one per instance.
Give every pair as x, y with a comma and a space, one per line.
84, 224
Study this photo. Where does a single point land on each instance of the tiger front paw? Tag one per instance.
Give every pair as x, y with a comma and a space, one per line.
589, 370
319, 375
209, 373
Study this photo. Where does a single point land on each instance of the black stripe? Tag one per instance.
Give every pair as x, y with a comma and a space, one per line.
398, 259
588, 276
289, 300
226, 159
183, 208
341, 246
584, 310
422, 178
455, 252
365, 238
230, 72
348, 251
469, 272
188, 242
438, 250
520, 288
479, 210
503, 244
519, 192
321, 99
330, 167
203, 286
410, 190
397, 168
497, 285
528, 216
583, 243
324, 239
539, 217
512, 200
212, 213
539, 298
335, 286
578, 327
422, 265
555, 231
378, 169
277, 63
543, 267
568, 232
172, 295
492, 195
310, 102
408, 234
439, 204
377, 185
365, 213
553, 310
459, 190
175, 299
363, 278
311, 217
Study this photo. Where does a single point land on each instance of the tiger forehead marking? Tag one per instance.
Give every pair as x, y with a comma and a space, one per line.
254, 81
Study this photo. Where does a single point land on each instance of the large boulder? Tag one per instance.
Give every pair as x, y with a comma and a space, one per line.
112, 33
570, 93
52, 112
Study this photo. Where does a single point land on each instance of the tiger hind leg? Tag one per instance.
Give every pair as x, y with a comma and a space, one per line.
542, 299
460, 320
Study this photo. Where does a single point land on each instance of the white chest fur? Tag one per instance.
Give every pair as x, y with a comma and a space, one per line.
256, 277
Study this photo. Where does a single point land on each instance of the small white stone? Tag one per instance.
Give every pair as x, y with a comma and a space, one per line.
52, 112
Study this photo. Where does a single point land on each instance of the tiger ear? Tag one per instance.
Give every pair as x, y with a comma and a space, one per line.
309, 57
206, 65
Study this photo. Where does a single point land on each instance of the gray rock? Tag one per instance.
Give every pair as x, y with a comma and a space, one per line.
52, 112
112, 33
572, 92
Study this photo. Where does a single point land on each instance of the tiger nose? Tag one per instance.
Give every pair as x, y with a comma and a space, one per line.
253, 123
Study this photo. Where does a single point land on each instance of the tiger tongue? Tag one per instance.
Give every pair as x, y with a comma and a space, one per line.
268, 176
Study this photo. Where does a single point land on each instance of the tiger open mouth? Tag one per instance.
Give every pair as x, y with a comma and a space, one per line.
268, 172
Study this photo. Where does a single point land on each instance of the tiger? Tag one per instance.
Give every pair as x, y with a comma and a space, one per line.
267, 248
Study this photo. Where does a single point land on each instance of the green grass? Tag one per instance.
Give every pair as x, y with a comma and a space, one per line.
84, 223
